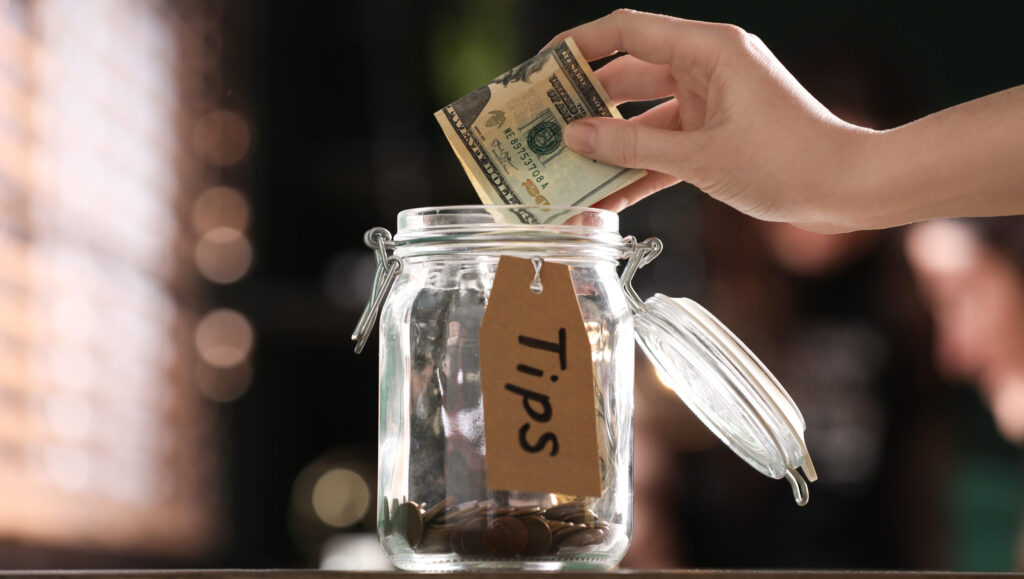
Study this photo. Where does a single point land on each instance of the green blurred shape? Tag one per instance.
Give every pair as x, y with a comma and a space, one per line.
986, 492
475, 44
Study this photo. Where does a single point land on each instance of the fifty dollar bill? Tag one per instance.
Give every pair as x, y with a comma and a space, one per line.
508, 136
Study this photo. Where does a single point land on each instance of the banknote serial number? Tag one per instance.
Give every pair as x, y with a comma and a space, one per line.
536, 182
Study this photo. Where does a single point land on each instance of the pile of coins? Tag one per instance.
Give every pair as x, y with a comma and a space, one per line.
484, 528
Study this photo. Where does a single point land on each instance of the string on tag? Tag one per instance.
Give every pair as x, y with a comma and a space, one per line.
535, 286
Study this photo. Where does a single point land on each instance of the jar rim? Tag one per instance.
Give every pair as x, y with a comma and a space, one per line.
508, 229
548, 216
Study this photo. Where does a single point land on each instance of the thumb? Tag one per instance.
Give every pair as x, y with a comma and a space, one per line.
627, 143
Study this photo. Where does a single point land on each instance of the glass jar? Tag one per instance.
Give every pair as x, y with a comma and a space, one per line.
435, 510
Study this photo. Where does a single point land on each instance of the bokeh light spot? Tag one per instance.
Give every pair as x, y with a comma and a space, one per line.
224, 338
223, 255
224, 384
221, 138
340, 497
220, 206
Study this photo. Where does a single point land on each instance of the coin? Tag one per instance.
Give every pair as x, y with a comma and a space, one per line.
484, 528
566, 530
436, 509
435, 541
505, 537
582, 538
408, 521
459, 512
467, 538
528, 510
586, 517
538, 540
564, 511
446, 526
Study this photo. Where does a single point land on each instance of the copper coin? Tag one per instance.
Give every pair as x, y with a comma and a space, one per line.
582, 538
472, 513
564, 511
502, 512
435, 541
408, 522
459, 511
455, 540
468, 538
586, 517
446, 526
538, 540
566, 530
505, 537
433, 511
555, 525
559, 535
526, 511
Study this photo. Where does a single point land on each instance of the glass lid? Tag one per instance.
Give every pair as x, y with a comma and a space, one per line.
727, 387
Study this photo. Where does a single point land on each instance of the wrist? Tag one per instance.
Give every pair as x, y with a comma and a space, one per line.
848, 194
868, 181
960, 162
880, 181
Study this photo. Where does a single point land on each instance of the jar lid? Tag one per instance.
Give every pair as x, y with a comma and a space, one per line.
727, 387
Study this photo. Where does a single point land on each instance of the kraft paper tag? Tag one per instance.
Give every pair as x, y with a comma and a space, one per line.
538, 386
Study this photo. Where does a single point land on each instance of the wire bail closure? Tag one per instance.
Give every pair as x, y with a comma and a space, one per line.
379, 239
388, 267
639, 254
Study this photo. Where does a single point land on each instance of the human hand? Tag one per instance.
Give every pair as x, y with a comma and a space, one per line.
736, 124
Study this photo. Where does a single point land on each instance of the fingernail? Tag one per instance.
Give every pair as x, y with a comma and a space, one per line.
580, 137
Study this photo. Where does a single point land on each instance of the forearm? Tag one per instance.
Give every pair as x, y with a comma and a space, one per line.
967, 160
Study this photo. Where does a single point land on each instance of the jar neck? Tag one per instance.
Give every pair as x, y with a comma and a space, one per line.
495, 244
580, 233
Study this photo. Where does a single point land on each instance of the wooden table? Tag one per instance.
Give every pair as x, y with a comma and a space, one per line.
665, 574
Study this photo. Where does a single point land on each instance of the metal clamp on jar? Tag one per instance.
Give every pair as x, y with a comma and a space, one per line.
433, 280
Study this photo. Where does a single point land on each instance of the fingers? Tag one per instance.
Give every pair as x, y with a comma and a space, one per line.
630, 79
627, 143
693, 109
634, 192
663, 116
651, 37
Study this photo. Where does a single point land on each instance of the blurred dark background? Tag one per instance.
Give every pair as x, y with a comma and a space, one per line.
296, 126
